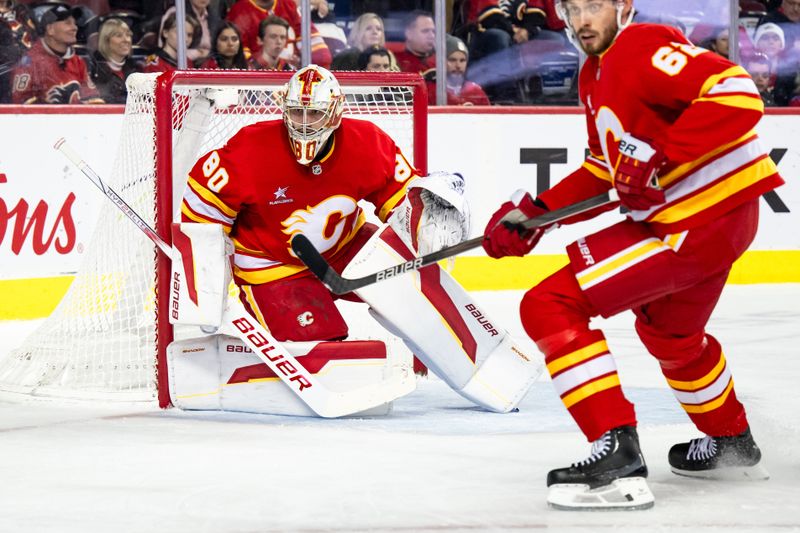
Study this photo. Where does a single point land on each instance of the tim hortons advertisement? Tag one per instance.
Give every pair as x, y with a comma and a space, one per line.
48, 208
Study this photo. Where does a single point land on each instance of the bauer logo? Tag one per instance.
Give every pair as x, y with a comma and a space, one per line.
482, 320
22, 224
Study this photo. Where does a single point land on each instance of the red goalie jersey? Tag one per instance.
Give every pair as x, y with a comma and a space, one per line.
262, 196
697, 106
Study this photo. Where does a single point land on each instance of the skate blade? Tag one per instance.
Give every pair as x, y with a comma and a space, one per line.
624, 494
727, 473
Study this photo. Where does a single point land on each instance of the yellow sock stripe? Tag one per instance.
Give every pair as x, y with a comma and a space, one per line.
702, 382
573, 358
710, 405
594, 387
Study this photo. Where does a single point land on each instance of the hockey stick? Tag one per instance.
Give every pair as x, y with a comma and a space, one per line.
309, 255
238, 322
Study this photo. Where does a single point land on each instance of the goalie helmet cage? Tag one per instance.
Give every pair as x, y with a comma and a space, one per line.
108, 336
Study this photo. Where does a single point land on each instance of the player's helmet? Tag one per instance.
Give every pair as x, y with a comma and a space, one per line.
312, 108
563, 14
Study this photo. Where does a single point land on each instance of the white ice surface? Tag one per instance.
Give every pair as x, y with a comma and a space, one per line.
435, 464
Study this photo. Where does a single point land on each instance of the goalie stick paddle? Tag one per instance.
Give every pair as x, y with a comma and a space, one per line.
237, 321
310, 256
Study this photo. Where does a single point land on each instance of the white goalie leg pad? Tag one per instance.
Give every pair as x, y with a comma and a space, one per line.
219, 372
434, 213
445, 328
629, 494
201, 274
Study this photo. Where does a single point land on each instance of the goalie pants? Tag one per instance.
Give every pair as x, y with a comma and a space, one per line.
672, 284
301, 308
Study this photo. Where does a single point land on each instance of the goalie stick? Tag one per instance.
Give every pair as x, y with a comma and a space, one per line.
311, 257
237, 321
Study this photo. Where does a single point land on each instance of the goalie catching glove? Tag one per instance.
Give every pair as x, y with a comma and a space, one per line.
636, 175
504, 236
434, 213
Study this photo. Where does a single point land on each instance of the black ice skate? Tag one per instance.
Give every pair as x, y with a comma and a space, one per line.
729, 458
612, 477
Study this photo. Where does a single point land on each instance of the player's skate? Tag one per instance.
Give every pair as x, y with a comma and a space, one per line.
731, 458
612, 477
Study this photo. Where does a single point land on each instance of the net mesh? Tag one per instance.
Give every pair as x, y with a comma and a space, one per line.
100, 342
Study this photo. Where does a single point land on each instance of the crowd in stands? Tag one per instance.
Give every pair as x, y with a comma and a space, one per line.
500, 52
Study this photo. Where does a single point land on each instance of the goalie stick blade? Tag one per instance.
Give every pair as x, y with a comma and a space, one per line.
310, 256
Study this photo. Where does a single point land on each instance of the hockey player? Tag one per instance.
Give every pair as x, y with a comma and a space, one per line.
671, 128
306, 174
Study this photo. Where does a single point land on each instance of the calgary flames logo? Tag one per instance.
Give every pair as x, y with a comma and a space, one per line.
308, 80
325, 223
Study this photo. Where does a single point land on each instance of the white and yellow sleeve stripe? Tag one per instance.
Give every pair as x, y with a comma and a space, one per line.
733, 88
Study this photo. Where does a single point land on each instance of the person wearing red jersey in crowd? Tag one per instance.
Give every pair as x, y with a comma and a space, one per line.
459, 90
165, 58
419, 53
227, 51
51, 73
17, 34
248, 14
676, 141
273, 35
306, 174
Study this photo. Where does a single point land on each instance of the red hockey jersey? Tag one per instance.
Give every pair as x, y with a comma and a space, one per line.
262, 196
247, 16
44, 77
695, 105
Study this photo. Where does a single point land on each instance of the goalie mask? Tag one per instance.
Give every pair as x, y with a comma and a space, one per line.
312, 108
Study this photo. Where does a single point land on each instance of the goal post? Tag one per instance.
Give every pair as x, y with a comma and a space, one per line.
108, 336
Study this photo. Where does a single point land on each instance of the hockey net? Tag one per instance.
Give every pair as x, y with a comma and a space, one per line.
107, 338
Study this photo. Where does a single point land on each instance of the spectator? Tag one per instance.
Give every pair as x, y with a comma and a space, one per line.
419, 53
165, 58
367, 31
227, 51
17, 33
758, 66
248, 14
459, 90
376, 59
324, 19
770, 41
718, 41
273, 34
787, 16
51, 73
209, 22
111, 64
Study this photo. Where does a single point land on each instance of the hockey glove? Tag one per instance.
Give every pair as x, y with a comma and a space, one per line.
504, 236
636, 175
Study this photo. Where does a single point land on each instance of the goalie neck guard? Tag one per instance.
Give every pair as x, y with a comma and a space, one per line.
312, 108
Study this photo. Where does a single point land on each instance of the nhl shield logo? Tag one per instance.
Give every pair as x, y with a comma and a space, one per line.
316, 169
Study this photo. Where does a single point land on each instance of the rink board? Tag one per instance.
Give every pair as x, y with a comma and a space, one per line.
48, 209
